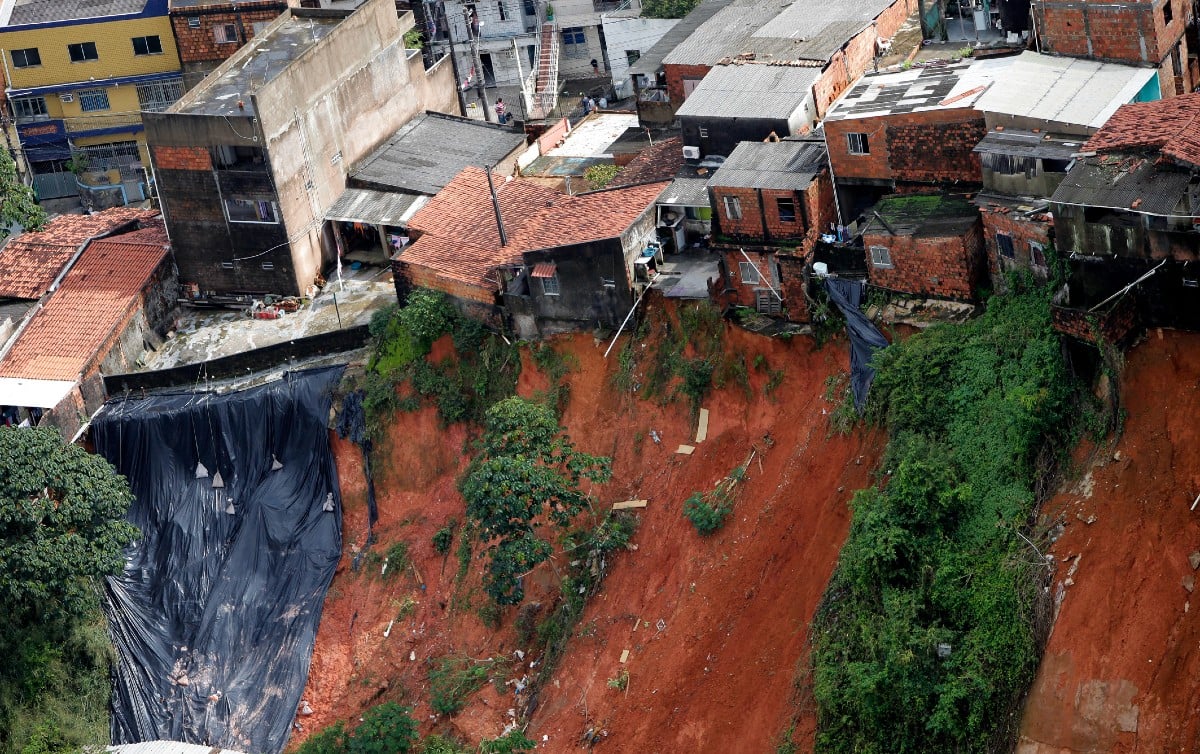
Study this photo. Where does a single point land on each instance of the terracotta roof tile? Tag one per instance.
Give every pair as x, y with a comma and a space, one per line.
459, 239
1171, 126
30, 262
63, 339
660, 162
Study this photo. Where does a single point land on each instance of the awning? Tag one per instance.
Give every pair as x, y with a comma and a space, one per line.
544, 270
17, 391
357, 205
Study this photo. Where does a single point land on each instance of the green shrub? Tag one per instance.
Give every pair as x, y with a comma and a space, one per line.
428, 315
705, 514
512, 742
330, 740
452, 680
438, 744
385, 729
598, 176
444, 537
925, 640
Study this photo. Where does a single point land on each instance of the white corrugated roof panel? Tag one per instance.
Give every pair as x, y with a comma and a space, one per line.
18, 391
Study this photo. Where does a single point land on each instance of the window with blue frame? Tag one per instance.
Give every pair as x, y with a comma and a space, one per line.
91, 100
574, 41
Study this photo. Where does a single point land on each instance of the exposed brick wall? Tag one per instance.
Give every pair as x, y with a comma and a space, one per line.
676, 74
938, 267
858, 55
793, 281
743, 292
1115, 326
182, 158
751, 223
924, 146
1131, 32
1023, 231
200, 43
936, 152
419, 276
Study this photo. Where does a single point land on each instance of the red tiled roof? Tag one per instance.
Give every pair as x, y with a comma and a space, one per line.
65, 337
30, 262
544, 270
660, 162
460, 241
1171, 126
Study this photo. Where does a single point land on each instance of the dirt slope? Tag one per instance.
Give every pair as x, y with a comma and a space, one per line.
723, 619
1122, 670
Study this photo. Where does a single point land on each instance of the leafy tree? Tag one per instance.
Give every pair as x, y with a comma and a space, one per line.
61, 524
528, 468
386, 729
667, 8
17, 203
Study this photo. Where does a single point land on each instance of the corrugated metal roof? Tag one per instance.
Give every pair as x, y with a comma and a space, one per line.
1118, 181
1069, 91
652, 60
750, 91
1029, 144
685, 192
799, 30
357, 205
785, 165
34, 393
428, 151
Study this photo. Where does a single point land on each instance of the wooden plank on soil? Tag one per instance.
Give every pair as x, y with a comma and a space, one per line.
624, 655
686, 450
702, 427
626, 505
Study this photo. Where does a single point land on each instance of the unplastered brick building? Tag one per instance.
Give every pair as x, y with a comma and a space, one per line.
210, 31
1159, 34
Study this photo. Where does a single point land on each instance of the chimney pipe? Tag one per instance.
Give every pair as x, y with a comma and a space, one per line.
496, 207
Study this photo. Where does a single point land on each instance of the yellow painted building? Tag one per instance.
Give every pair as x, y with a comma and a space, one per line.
78, 73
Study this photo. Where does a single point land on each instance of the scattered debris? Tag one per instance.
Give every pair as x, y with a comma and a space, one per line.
626, 505
654, 436
305, 708
702, 426
1194, 560
1189, 582
624, 655
1089, 520
686, 450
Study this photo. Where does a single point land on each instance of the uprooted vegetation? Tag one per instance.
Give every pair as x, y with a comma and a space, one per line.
930, 629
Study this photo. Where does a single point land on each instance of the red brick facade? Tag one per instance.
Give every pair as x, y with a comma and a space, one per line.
814, 211
949, 267
793, 280
675, 76
1114, 326
1022, 232
182, 158
1128, 32
197, 28
927, 147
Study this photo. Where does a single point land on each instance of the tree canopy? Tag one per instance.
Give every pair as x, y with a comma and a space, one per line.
528, 468
667, 8
61, 523
17, 203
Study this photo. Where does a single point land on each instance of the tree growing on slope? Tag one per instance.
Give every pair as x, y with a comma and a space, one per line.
17, 203
528, 468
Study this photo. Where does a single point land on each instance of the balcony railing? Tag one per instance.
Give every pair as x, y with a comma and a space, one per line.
94, 122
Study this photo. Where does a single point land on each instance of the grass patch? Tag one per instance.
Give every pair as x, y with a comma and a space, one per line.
453, 679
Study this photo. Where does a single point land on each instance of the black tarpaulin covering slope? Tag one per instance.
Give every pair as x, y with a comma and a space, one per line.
865, 338
216, 613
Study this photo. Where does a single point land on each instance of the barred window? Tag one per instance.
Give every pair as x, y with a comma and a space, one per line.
157, 96
91, 100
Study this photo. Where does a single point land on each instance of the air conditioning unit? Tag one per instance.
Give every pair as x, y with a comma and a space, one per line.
691, 153
66, 97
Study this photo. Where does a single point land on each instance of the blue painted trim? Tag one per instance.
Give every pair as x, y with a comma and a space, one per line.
152, 9
132, 128
144, 78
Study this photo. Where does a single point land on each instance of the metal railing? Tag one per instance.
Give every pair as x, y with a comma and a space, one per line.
541, 87
94, 122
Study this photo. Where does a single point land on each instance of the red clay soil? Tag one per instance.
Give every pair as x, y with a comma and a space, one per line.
1121, 672
714, 626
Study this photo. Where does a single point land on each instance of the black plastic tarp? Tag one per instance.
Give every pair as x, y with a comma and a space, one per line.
216, 613
865, 338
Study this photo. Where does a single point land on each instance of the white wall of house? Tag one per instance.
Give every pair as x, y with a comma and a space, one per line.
626, 37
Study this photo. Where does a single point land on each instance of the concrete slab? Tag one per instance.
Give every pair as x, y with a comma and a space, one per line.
687, 276
594, 136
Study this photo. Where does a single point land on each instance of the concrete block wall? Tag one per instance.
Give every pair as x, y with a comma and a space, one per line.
1023, 232
947, 267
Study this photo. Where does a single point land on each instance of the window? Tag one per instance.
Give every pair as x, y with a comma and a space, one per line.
503, 10
530, 8
117, 155
748, 273
1037, 253
225, 33
550, 285
858, 144
193, 22
1168, 12
268, 265
30, 108
150, 45
82, 52
251, 211
787, 210
1005, 245
157, 96
91, 100
26, 58
733, 207
574, 42
238, 158
632, 56
881, 257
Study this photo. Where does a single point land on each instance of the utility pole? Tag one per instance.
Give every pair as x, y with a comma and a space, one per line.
480, 84
458, 79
